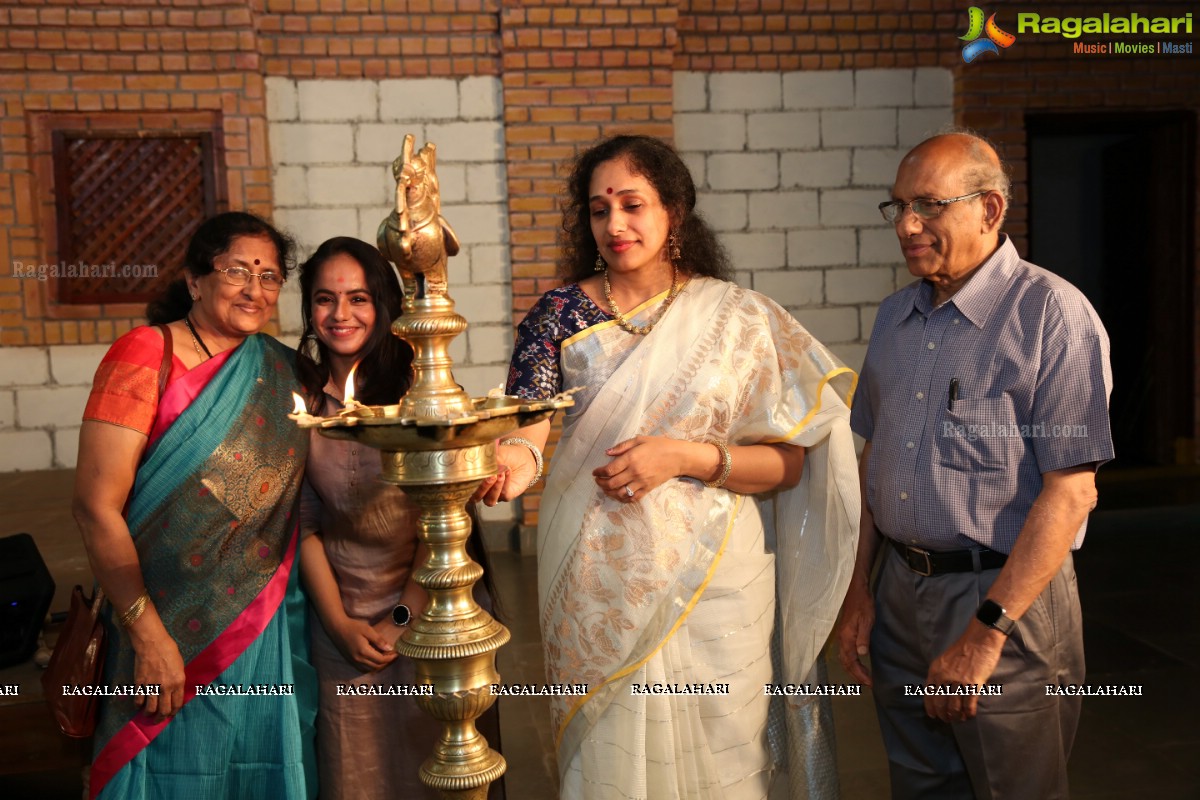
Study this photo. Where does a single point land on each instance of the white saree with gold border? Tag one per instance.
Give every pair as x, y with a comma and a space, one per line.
680, 588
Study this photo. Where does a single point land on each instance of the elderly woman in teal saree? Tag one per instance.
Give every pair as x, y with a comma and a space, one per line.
202, 567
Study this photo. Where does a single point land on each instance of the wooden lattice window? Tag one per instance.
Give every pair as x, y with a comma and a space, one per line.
127, 202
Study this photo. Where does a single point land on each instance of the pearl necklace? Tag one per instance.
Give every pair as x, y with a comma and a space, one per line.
642, 330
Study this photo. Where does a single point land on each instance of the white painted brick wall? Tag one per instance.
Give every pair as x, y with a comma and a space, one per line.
745, 90
743, 171
24, 451
724, 212
822, 247
8, 410
710, 131
480, 97
784, 130
66, 447
917, 124
690, 93
75, 364
24, 366
791, 288
333, 100
825, 89
832, 325
43, 391
51, 406
860, 127
421, 99
815, 168
883, 88
809, 155
783, 210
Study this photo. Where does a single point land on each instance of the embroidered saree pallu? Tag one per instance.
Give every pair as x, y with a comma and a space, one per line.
213, 516
643, 600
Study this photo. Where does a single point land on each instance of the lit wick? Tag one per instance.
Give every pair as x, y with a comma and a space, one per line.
350, 406
300, 411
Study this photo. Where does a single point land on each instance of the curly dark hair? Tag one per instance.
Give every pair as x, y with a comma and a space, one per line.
213, 238
385, 372
656, 161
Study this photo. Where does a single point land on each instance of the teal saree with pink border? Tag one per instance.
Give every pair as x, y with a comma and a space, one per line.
213, 514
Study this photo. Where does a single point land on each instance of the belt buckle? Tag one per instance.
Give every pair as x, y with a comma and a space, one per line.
928, 569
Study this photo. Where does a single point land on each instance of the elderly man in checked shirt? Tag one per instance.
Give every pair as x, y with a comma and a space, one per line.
984, 403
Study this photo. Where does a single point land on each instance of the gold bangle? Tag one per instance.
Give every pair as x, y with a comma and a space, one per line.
726, 467
134, 611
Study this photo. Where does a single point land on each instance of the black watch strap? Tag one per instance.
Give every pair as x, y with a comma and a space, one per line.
992, 614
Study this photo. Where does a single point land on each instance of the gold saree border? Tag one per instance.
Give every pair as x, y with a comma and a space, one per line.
599, 326
825, 379
687, 611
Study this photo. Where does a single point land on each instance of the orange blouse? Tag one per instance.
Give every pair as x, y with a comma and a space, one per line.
125, 389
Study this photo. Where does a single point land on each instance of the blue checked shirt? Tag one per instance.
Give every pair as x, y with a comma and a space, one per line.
1030, 358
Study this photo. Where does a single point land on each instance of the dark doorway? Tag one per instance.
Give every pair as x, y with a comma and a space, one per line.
1110, 209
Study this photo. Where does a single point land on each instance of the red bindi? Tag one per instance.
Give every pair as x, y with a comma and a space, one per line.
256, 262
610, 190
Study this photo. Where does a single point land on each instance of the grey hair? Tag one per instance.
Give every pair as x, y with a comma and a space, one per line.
982, 173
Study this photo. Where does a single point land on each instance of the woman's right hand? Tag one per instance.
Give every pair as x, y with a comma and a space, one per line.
364, 646
515, 468
156, 661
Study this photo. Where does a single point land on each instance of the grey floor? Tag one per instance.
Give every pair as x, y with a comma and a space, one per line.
1141, 611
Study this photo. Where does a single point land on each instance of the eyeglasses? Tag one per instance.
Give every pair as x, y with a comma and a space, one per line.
923, 208
240, 276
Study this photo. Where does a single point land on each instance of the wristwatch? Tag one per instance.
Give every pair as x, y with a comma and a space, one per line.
992, 614
401, 615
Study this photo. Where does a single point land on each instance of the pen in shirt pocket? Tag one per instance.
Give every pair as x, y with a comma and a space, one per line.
953, 394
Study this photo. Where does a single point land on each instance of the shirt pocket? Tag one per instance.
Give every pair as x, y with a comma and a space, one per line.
980, 434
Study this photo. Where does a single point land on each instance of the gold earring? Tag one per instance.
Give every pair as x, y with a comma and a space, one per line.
600, 265
673, 249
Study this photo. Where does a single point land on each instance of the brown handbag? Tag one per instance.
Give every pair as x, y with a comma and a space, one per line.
77, 663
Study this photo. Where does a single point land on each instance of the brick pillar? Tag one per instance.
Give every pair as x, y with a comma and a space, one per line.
572, 73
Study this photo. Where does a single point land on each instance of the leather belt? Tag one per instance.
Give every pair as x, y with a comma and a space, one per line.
928, 562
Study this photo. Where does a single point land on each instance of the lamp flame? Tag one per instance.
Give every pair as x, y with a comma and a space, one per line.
348, 391
300, 407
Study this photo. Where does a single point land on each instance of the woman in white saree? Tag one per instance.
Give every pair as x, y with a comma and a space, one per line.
698, 526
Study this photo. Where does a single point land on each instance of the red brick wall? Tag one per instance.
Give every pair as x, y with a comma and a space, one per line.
572, 72
788, 35
141, 63
379, 38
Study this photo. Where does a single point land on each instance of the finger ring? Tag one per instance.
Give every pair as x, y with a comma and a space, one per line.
628, 492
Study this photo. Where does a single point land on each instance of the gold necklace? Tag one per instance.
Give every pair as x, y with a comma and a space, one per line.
642, 330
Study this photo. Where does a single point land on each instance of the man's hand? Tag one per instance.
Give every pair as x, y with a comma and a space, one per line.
854, 631
970, 661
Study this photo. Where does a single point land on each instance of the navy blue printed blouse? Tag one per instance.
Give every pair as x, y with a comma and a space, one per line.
534, 373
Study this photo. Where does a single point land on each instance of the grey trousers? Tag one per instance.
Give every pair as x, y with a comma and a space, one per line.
1018, 744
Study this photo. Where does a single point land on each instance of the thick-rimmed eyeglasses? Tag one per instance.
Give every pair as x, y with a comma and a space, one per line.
922, 207
240, 276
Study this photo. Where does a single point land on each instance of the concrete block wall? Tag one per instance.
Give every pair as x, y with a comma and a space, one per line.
790, 168
42, 394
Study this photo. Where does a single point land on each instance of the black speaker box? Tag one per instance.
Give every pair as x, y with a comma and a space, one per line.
26, 590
